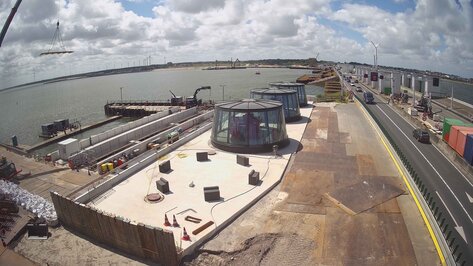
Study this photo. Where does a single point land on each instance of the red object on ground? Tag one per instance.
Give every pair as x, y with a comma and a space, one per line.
174, 221
185, 236
453, 138
166, 221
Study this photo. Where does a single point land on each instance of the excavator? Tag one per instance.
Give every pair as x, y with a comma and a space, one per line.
192, 101
7, 169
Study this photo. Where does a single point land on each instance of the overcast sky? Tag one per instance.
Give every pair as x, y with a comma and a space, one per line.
432, 35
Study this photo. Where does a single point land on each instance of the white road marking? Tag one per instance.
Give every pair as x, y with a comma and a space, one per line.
458, 228
414, 126
469, 197
435, 170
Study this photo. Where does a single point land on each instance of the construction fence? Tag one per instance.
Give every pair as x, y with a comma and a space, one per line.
143, 241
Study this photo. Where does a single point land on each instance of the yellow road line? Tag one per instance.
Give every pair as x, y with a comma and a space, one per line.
424, 217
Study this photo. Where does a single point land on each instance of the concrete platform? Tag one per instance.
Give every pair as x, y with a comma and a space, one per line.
127, 198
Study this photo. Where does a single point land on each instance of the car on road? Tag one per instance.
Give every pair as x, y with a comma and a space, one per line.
351, 84
368, 97
358, 89
421, 135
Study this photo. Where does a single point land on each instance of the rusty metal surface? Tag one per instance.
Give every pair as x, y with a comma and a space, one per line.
376, 233
366, 194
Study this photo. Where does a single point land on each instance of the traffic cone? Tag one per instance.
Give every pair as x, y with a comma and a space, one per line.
185, 236
174, 221
166, 221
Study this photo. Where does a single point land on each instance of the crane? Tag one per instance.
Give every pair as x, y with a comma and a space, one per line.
9, 20
175, 100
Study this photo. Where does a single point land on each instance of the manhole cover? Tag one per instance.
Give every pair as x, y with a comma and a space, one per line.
154, 198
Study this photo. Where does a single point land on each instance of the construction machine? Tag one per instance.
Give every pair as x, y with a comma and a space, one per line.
7, 169
192, 101
176, 100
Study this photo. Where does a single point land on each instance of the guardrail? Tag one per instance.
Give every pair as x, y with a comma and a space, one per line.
442, 230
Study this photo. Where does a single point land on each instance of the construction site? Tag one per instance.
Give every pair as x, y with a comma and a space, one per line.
237, 183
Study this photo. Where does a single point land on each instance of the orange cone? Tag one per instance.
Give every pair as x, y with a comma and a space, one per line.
174, 221
185, 236
166, 221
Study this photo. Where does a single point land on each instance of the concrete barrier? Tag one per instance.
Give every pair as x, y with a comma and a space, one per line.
106, 139
161, 136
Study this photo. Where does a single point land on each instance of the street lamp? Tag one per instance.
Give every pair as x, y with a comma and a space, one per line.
121, 94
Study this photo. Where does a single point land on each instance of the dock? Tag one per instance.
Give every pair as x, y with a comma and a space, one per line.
62, 135
136, 108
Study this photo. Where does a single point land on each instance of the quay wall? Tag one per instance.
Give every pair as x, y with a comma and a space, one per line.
140, 240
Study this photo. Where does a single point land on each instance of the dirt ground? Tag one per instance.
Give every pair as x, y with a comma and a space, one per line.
297, 224
66, 248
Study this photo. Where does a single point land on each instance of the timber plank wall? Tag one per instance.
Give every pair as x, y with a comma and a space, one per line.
140, 240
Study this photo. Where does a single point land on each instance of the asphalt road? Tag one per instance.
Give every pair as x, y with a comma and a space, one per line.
451, 190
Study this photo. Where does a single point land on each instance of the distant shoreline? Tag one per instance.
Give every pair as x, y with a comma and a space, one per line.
127, 70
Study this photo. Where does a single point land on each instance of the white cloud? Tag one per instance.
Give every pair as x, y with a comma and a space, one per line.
435, 35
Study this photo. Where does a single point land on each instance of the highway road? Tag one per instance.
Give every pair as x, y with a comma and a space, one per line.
451, 190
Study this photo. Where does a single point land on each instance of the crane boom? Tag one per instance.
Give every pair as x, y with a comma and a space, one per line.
192, 100
9, 20
199, 89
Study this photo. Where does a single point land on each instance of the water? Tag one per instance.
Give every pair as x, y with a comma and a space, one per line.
461, 91
24, 110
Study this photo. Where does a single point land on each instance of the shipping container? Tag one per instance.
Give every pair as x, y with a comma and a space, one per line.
454, 132
468, 154
447, 124
461, 139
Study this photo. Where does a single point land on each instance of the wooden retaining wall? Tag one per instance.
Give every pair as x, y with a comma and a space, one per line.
143, 241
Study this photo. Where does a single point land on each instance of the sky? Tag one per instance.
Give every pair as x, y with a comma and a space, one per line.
434, 35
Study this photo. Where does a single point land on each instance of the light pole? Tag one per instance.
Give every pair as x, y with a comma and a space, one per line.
451, 100
121, 94
223, 92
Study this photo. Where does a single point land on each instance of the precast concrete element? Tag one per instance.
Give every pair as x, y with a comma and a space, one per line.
94, 139
138, 164
142, 146
396, 81
115, 142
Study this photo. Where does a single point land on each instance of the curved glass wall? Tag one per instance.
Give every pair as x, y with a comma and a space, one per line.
287, 97
298, 87
249, 130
